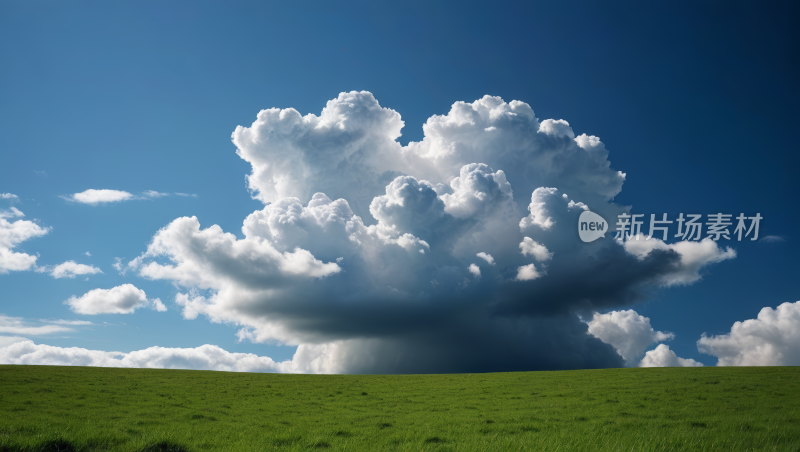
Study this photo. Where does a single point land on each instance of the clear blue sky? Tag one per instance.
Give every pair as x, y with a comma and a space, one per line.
695, 102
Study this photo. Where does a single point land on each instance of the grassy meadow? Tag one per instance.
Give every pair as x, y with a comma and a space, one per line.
666, 409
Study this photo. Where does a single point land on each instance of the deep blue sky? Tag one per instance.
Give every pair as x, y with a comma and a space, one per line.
697, 103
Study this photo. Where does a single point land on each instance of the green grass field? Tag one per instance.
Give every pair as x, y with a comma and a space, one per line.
692, 409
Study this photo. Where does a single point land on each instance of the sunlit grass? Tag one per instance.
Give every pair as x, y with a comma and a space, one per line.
691, 409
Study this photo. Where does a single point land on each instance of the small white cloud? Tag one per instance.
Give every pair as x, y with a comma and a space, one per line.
69, 269
772, 239
9, 196
87, 254
476, 272
122, 299
527, 273
95, 197
662, 356
159, 306
577, 205
487, 257
535, 249
186, 195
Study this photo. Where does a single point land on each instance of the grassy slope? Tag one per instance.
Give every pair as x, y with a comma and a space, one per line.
58, 408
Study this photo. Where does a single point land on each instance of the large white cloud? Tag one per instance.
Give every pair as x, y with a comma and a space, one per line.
662, 356
124, 299
366, 248
11, 235
351, 147
95, 197
772, 339
627, 331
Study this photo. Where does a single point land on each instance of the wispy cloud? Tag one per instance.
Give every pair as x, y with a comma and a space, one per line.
67, 322
154, 194
16, 325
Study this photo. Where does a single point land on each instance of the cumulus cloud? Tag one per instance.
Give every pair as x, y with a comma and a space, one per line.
364, 253
95, 197
124, 299
628, 332
771, 339
662, 356
10, 196
11, 235
69, 269
16, 325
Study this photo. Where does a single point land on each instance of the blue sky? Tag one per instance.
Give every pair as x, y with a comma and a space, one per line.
696, 104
